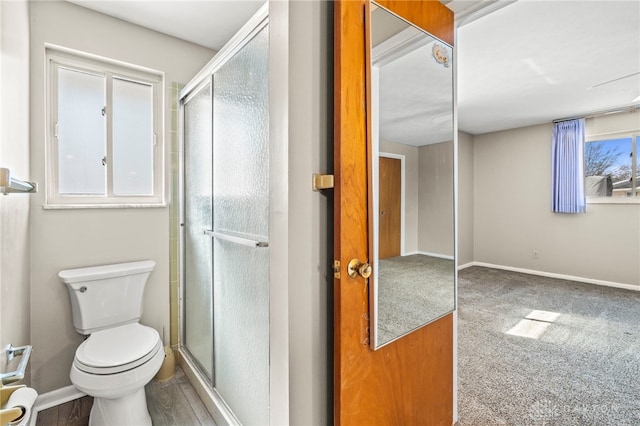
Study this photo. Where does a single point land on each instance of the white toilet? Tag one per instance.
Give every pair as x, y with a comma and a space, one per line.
120, 356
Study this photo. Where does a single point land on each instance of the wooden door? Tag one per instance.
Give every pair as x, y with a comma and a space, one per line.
409, 381
389, 209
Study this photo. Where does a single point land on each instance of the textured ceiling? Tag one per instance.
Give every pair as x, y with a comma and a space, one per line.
209, 23
519, 63
534, 61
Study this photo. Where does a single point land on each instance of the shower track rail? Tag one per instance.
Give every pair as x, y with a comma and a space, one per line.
238, 240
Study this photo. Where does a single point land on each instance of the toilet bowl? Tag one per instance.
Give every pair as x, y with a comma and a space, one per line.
116, 377
120, 356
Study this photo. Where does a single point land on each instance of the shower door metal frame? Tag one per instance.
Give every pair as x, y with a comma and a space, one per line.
278, 211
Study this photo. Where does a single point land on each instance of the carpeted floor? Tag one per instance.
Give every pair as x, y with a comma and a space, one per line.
412, 291
580, 364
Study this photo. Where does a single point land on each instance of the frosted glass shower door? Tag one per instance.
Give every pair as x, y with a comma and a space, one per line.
241, 231
197, 281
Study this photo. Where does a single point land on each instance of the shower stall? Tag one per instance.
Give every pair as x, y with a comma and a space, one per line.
225, 226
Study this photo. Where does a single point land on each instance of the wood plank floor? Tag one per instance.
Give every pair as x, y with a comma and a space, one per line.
172, 403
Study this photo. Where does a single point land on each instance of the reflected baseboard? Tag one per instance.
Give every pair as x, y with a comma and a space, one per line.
426, 253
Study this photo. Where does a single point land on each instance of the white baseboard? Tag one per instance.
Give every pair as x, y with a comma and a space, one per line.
424, 253
53, 398
553, 275
57, 397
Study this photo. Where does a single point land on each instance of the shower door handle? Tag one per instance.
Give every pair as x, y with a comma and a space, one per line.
238, 240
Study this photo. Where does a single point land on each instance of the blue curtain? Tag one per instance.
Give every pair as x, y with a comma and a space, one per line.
568, 167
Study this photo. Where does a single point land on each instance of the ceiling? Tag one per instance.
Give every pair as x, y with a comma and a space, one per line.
535, 61
520, 62
209, 23
411, 89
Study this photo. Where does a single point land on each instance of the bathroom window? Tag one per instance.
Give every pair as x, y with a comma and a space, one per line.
104, 144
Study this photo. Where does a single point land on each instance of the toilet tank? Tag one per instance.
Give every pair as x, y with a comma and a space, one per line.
106, 296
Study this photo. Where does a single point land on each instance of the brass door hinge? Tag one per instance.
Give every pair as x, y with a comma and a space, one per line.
336, 269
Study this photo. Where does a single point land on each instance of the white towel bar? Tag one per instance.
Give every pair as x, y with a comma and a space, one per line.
237, 240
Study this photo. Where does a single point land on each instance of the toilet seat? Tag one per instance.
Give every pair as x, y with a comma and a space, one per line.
117, 349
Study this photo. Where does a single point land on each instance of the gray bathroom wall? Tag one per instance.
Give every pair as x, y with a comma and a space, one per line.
71, 238
310, 134
14, 155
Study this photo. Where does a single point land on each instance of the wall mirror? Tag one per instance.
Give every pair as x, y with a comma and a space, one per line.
412, 177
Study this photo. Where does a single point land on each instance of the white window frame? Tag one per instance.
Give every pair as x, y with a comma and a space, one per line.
57, 57
635, 146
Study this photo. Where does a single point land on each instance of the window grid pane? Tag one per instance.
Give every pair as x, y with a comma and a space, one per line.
81, 133
132, 138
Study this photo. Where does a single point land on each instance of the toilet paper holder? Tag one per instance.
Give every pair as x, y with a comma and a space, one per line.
18, 374
9, 414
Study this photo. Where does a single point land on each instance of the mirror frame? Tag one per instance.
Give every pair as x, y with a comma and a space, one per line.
442, 37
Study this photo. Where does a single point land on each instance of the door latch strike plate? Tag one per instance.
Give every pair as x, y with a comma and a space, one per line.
321, 182
336, 269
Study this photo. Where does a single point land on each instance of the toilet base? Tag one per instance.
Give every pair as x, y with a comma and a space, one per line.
130, 410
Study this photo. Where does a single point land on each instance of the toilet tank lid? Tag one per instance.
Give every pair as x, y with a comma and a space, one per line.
106, 271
